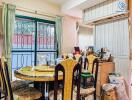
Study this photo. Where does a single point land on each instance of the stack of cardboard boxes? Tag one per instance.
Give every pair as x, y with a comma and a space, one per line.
103, 72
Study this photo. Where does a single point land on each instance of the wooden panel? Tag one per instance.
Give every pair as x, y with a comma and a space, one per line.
130, 22
98, 88
104, 70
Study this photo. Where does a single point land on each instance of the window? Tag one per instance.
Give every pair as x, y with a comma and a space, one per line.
32, 39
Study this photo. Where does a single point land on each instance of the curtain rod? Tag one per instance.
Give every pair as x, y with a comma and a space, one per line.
18, 8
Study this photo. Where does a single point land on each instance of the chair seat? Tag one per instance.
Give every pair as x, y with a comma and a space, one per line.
59, 95
17, 84
28, 93
85, 92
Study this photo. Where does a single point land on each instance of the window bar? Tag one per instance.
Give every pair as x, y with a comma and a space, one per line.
46, 36
32, 59
17, 62
39, 38
27, 37
43, 37
49, 37
32, 31
49, 42
35, 58
27, 60
17, 33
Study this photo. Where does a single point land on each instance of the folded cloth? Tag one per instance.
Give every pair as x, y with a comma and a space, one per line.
121, 86
121, 89
108, 87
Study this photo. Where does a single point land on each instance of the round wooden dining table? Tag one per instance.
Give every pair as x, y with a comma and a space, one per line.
38, 74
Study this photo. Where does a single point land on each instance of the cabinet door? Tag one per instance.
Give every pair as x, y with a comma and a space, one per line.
106, 68
103, 72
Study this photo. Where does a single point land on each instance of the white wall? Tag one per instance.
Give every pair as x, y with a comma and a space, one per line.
85, 38
115, 36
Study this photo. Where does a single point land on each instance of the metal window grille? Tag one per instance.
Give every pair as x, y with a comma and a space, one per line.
32, 39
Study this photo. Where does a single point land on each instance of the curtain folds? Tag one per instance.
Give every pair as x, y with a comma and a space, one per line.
58, 21
8, 19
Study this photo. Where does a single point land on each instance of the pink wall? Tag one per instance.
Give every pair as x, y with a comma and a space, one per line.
69, 35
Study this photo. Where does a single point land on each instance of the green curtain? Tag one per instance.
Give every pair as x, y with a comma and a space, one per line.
58, 21
8, 19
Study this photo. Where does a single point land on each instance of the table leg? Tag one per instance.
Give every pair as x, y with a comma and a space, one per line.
46, 91
41, 87
44, 88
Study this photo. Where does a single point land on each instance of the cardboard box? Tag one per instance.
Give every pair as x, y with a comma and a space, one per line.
98, 89
104, 69
110, 95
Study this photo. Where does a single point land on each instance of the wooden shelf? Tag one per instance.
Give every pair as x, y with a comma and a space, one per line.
108, 18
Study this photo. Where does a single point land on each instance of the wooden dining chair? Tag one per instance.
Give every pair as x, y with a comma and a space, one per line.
77, 57
89, 62
92, 90
27, 93
68, 67
16, 84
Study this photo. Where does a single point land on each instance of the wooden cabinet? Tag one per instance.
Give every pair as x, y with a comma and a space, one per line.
103, 71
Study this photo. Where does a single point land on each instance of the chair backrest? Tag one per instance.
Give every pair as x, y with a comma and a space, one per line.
89, 62
77, 56
68, 67
1, 76
6, 79
95, 70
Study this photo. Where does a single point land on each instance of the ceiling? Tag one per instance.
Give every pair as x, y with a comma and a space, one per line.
74, 7
58, 2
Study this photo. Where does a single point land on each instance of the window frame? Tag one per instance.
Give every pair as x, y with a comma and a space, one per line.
36, 20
